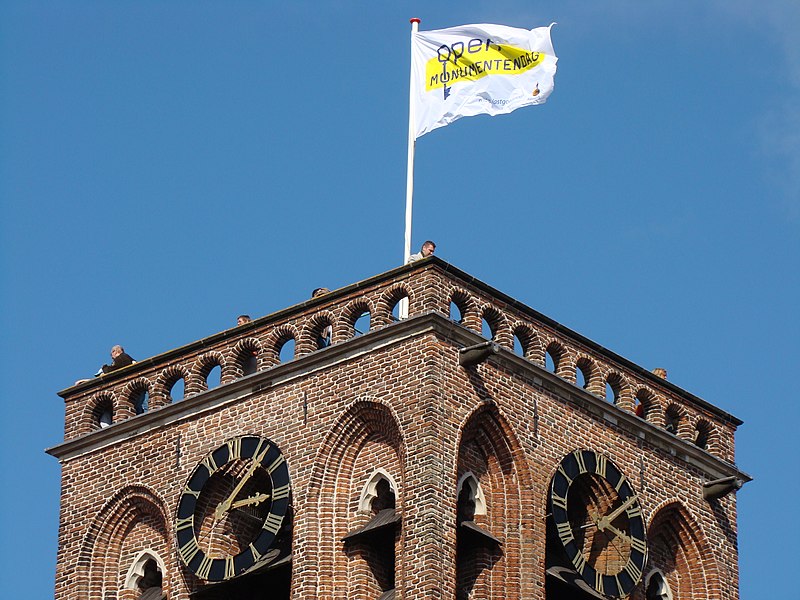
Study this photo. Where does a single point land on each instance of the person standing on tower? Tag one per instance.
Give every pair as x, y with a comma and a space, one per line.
428, 248
119, 359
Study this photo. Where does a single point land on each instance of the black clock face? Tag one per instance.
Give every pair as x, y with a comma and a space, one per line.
232, 508
599, 522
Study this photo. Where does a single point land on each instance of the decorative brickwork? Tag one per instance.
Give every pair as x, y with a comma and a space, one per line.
393, 408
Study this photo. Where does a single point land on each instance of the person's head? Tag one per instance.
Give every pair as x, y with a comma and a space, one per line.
242, 319
659, 372
116, 351
428, 248
319, 292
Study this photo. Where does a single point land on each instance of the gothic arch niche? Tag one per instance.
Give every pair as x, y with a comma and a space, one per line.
678, 549
373, 491
145, 576
132, 521
656, 586
492, 508
363, 449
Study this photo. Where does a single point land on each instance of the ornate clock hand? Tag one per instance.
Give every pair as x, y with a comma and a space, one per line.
255, 500
619, 533
604, 521
225, 505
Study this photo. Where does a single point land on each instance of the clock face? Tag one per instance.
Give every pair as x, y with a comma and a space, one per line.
232, 508
599, 522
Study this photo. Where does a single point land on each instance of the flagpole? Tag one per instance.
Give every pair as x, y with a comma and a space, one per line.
411, 143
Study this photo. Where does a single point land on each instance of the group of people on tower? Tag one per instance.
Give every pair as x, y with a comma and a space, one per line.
120, 358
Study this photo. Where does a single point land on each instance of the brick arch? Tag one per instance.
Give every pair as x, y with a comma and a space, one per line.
311, 330
498, 323
563, 359
529, 340
196, 383
703, 427
125, 407
488, 449
388, 300
279, 336
94, 409
470, 314
675, 417
367, 433
350, 314
242, 351
166, 379
591, 374
678, 547
621, 389
134, 519
651, 405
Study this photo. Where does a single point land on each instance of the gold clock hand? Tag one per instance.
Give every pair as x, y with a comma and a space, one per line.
604, 521
619, 533
258, 499
225, 505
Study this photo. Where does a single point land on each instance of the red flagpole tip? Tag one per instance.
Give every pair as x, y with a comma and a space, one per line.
414, 20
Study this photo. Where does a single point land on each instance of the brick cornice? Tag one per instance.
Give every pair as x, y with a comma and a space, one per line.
414, 327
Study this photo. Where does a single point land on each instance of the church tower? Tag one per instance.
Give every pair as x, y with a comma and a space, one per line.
475, 449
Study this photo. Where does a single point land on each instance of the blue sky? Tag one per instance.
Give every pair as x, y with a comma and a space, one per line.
165, 166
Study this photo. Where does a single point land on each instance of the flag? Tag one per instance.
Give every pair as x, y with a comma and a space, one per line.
478, 69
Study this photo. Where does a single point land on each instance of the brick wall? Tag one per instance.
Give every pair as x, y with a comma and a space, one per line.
394, 399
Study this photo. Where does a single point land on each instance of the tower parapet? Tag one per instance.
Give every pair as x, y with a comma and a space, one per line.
432, 287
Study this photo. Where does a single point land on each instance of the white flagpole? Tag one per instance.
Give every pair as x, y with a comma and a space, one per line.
411, 143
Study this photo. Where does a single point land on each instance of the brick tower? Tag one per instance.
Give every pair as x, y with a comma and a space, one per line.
476, 449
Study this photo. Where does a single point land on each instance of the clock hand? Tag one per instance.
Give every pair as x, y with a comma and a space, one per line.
619, 533
258, 499
604, 521
225, 505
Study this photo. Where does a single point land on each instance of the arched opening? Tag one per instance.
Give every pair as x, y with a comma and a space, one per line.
400, 307
103, 413
644, 404
553, 355
323, 334
455, 312
214, 377
486, 330
614, 384
362, 324
460, 306
488, 520
286, 349
702, 435
491, 323
580, 379
672, 419
657, 587
525, 343
680, 553
146, 575
140, 400
375, 540
584, 370
249, 362
177, 391
611, 394
366, 435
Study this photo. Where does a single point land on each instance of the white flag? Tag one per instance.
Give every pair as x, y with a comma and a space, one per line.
478, 69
